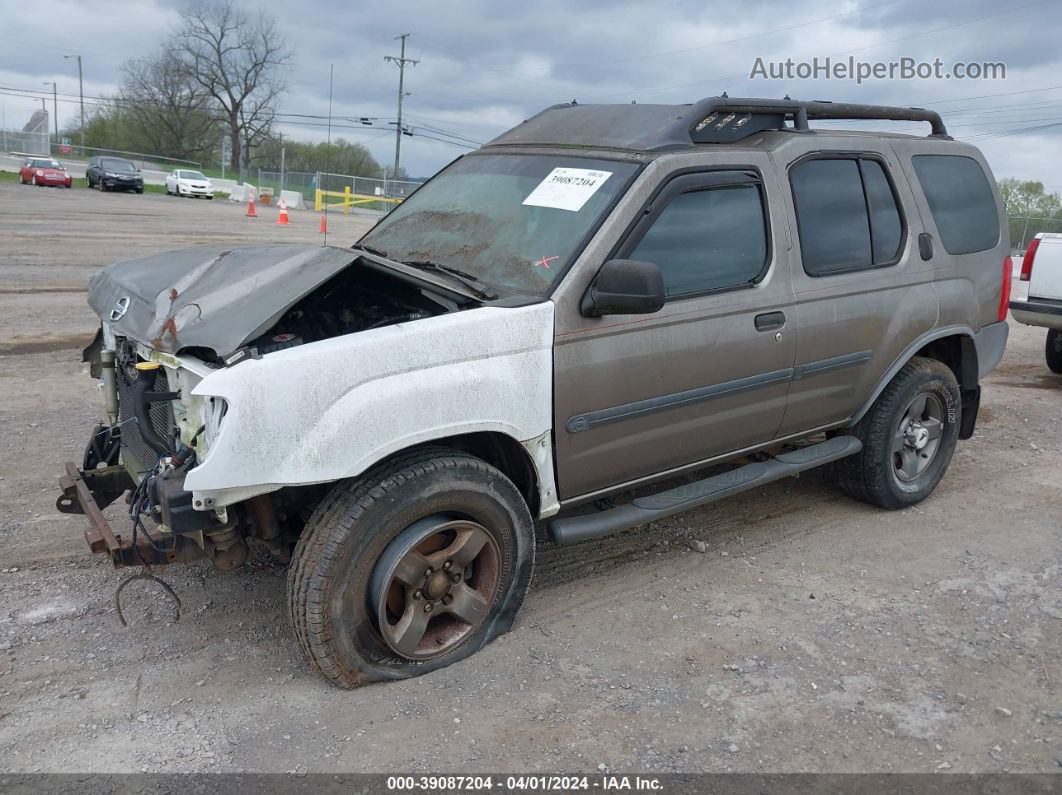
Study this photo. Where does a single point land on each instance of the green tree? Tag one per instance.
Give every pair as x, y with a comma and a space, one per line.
341, 157
1030, 209
171, 112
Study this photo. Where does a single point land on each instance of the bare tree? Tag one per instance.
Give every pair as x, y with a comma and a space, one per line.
173, 110
237, 59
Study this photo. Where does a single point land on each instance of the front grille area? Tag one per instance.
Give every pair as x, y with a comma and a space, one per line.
136, 454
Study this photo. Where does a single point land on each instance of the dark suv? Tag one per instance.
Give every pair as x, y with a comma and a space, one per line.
604, 297
114, 173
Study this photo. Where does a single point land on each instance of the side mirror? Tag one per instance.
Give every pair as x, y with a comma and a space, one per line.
624, 287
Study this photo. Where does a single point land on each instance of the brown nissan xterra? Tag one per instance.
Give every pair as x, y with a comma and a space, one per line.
606, 296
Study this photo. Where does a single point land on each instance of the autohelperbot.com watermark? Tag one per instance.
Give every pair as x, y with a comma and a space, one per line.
905, 68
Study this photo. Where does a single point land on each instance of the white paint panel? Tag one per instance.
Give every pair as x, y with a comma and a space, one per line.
329, 410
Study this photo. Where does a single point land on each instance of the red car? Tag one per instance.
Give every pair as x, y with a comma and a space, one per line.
44, 171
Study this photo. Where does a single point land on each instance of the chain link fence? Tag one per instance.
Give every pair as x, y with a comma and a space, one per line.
302, 181
1024, 228
30, 143
367, 186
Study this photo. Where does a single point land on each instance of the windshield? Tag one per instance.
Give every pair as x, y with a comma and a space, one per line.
191, 175
114, 164
45, 164
511, 221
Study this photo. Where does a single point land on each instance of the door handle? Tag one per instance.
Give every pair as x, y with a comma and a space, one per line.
769, 321
925, 246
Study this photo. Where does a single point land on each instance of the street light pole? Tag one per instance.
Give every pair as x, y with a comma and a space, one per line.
81, 93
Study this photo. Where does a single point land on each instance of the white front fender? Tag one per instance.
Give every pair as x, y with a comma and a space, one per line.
331, 409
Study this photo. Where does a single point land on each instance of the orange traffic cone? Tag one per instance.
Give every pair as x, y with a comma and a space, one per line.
324, 224
282, 219
250, 208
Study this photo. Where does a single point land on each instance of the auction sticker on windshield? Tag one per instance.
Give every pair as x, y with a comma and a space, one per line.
567, 188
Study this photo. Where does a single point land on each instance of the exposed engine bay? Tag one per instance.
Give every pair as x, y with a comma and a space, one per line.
355, 299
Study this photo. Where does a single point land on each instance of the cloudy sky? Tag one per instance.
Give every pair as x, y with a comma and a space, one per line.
486, 65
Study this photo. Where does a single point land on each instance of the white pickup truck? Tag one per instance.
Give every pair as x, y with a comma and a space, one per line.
1038, 295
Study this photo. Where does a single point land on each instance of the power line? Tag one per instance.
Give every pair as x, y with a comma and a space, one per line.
281, 118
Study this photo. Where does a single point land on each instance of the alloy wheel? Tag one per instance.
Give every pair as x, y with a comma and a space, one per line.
434, 584
917, 436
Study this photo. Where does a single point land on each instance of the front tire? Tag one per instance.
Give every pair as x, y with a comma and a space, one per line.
908, 435
413, 566
1053, 350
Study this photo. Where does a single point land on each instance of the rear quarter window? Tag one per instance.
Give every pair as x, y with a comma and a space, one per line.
961, 201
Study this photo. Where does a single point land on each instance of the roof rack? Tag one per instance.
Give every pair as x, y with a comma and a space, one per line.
713, 120
722, 119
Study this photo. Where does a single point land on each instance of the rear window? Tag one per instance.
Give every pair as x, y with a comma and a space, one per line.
961, 201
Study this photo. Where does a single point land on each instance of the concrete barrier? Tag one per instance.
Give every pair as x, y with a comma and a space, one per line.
243, 193
293, 199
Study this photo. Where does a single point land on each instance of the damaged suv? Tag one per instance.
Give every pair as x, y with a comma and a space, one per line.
604, 297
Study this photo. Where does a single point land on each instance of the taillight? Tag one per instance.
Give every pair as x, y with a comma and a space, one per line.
1004, 293
1027, 262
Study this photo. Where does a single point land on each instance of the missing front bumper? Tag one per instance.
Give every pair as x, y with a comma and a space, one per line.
90, 492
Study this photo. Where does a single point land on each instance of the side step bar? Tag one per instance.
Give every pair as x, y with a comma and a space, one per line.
692, 495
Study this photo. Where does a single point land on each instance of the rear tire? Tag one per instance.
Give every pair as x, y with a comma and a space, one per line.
350, 605
909, 435
1053, 350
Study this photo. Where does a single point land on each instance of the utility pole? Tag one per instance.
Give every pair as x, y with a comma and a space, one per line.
281, 162
55, 109
401, 62
81, 93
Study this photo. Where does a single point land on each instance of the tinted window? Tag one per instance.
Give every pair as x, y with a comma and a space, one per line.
886, 230
708, 239
961, 201
847, 215
831, 215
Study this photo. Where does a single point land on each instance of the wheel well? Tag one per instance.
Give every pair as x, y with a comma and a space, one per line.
957, 352
504, 453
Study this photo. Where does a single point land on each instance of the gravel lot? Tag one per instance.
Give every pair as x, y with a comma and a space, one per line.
814, 634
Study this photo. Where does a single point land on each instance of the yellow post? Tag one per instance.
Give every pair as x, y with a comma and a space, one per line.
317, 200
347, 201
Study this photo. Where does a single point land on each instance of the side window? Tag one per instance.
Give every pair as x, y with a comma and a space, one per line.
961, 201
847, 215
886, 229
707, 239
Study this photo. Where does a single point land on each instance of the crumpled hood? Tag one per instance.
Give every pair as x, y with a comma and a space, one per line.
211, 296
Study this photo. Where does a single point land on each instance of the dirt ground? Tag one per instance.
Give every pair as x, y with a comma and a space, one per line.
815, 634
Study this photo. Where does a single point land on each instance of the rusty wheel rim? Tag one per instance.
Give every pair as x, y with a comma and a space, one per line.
434, 584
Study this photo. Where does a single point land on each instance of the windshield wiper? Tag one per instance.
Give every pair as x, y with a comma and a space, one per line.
371, 250
484, 291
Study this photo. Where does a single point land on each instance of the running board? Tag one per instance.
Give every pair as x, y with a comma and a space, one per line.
692, 495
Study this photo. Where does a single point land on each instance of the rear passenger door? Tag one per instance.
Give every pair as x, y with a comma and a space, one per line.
707, 374
862, 291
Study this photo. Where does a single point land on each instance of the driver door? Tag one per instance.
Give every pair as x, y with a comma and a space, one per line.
709, 374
